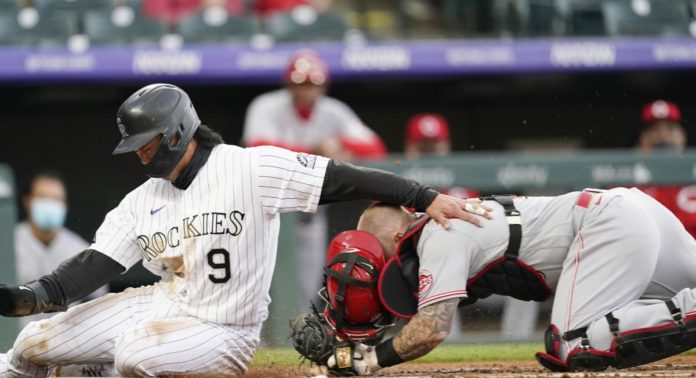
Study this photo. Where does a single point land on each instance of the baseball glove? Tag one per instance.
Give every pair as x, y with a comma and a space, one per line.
312, 337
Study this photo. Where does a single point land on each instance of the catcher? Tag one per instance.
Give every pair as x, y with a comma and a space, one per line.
622, 267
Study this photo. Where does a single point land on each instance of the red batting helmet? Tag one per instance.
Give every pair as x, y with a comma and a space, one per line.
661, 110
354, 261
307, 67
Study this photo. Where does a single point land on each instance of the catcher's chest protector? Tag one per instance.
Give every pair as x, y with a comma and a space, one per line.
507, 275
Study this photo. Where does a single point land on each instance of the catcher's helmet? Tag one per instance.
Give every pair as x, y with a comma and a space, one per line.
354, 261
153, 110
307, 67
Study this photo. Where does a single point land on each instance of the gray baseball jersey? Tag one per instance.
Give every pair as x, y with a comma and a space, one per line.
213, 244
601, 251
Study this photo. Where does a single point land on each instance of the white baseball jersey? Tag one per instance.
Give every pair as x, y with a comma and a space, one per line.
33, 259
213, 244
216, 240
272, 119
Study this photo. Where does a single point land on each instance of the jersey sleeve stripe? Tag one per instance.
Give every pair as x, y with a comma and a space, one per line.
442, 296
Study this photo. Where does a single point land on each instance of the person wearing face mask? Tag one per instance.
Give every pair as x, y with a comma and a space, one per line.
41, 241
662, 131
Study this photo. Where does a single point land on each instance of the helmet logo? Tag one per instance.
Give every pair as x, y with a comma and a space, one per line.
660, 110
121, 127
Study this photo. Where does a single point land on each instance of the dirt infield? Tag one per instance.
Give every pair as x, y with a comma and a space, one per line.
680, 366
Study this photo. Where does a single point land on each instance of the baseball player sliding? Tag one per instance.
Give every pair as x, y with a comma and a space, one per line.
207, 222
622, 267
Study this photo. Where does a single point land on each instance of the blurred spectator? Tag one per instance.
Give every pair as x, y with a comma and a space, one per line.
300, 117
266, 7
427, 134
662, 131
41, 241
172, 11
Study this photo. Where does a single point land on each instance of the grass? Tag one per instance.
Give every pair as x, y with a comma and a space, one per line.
444, 353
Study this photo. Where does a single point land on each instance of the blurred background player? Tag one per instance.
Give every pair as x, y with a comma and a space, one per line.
301, 117
41, 241
662, 131
428, 135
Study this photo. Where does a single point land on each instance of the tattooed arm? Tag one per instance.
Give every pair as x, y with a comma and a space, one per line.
420, 335
426, 330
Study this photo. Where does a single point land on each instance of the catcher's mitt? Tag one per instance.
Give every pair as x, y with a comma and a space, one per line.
312, 337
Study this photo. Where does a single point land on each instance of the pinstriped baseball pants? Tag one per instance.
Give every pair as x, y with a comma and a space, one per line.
140, 331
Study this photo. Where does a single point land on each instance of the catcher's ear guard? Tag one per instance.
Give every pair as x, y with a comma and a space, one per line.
398, 281
396, 287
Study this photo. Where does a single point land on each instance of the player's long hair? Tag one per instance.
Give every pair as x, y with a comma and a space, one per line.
207, 137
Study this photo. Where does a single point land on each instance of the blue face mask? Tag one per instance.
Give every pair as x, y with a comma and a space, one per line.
47, 214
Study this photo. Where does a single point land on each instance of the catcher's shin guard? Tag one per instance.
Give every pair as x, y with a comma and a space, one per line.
628, 349
583, 358
644, 345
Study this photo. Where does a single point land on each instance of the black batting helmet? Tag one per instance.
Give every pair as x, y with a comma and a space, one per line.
153, 110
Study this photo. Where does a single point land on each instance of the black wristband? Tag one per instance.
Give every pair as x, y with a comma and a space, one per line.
425, 198
386, 355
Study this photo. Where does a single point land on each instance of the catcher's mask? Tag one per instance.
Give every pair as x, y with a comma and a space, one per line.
353, 309
157, 109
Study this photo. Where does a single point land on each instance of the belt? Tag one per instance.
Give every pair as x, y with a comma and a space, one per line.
589, 197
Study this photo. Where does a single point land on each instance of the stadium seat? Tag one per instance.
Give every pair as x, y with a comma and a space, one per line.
216, 25
646, 17
583, 17
122, 25
30, 26
527, 17
543, 18
73, 5
8, 4
305, 24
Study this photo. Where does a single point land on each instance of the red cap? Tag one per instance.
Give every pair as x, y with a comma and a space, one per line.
661, 110
427, 126
307, 67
